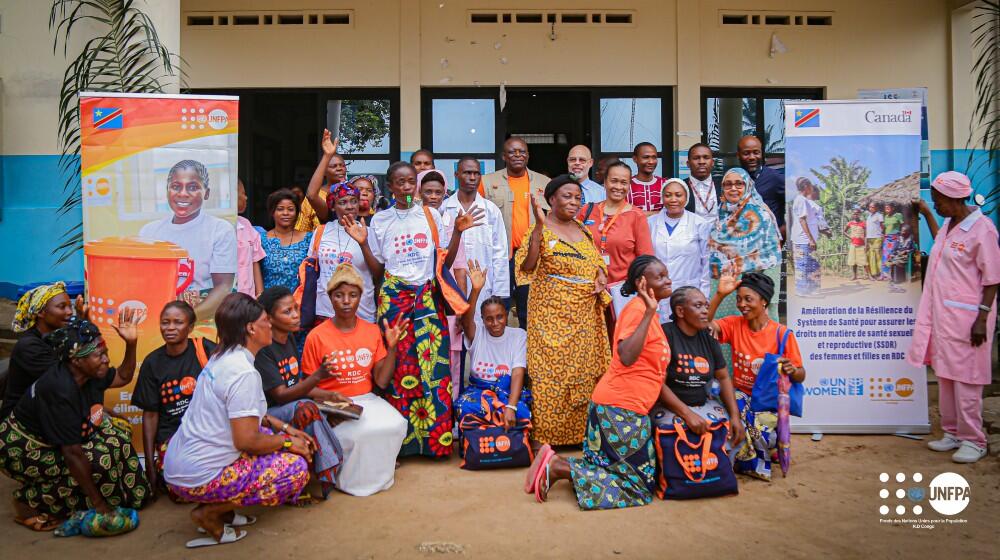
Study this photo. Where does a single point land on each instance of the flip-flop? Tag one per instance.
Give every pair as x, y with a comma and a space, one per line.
239, 520
541, 470
548, 485
229, 535
41, 523
529, 480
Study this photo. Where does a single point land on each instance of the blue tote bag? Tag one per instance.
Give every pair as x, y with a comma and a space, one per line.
765, 388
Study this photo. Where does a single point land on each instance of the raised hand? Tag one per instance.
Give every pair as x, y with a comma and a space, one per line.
355, 228
329, 144
536, 209
728, 282
477, 275
394, 333
128, 324
470, 219
646, 294
81, 308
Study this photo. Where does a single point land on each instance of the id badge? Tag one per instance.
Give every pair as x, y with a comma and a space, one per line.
607, 259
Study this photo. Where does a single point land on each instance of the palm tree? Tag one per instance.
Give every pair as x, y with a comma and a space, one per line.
124, 55
844, 183
984, 127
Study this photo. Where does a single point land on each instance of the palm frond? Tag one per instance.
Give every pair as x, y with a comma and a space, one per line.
126, 56
984, 124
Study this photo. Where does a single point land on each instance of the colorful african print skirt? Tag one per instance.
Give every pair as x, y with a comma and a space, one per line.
753, 458
304, 415
421, 386
889, 243
253, 480
618, 467
46, 483
807, 272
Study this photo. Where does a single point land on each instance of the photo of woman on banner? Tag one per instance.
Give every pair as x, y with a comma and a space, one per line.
209, 241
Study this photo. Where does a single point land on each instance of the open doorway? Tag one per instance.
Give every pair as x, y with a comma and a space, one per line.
551, 122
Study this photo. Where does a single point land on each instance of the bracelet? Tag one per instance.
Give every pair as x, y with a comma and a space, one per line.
986, 308
511, 406
287, 443
285, 428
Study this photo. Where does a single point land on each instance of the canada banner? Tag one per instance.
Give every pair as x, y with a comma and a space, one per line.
852, 169
158, 174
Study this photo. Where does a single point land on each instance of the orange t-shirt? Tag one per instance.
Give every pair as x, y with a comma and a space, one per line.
749, 348
520, 213
356, 354
635, 387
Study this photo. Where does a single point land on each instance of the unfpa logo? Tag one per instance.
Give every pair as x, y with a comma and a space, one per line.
692, 463
489, 445
948, 493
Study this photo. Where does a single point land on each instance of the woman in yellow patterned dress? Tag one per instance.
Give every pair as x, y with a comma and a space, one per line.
568, 338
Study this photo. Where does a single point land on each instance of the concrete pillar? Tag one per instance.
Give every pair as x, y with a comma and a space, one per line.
409, 76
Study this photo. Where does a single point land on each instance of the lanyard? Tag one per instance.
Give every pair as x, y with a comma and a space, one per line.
704, 201
607, 228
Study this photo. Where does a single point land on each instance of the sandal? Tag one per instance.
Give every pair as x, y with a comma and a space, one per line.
239, 520
548, 484
41, 522
540, 456
229, 535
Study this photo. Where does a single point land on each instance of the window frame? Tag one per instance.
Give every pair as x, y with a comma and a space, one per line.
427, 97
666, 152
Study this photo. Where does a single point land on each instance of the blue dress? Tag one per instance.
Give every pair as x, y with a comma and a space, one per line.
281, 265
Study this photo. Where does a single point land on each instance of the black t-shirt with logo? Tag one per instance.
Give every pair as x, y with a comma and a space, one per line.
166, 384
693, 362
278, 364
30, 359
58, 410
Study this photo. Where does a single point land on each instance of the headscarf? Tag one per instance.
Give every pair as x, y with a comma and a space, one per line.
339, 191
681, 182
746, 235
345, 273
77, 339
953, 185
423, 174
557, 182
32, 303
760, 283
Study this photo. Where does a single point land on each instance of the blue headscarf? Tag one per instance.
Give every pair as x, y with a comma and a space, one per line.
746, 236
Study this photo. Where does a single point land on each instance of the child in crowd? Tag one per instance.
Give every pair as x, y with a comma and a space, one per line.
855, 231
899, 258
249, 252
166, 383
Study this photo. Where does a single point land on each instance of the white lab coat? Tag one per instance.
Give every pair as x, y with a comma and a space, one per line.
685, 253
486, 243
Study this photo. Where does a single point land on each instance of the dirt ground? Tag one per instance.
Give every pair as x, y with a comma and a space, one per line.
826, 508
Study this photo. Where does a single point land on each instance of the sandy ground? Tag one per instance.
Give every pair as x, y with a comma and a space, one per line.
827, 507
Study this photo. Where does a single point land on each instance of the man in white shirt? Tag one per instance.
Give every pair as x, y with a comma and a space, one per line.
579, 161
704, 194
209, 241
486, 244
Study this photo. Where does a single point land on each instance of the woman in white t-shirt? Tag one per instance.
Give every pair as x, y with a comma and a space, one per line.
345, 240
498, 354
225, 454
404, 239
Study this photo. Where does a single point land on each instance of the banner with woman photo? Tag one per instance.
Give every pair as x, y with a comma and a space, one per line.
159, 210
852, 169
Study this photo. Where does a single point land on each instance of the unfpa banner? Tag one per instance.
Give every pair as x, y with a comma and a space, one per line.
159, 212
852, 169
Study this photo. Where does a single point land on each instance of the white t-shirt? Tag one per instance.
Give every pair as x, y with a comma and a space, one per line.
402, 241
229, 387
873, 226
336, 247
802, 207
494, 357
208, 240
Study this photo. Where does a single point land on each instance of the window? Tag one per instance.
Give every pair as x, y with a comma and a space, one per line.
731, 113
365, 125
624, 121
461, 122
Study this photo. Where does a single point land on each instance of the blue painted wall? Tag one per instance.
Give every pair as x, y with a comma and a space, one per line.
31, 188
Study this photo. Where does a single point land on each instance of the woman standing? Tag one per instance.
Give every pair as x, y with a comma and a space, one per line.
404, 240
619, 230
285, 246
806, 216
361, 361
226, 453
39, 311
680, 241
568, 341
746, 238
289, 394
957, 314
619, 461
892, 223
61, 447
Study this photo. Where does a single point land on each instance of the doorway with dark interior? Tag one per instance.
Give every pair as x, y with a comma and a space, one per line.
551, 122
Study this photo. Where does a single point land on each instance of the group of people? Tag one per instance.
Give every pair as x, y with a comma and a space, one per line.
624, 290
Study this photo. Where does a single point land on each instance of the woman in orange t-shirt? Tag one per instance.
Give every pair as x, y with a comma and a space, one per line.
752, 334
619, 462
361, 359
620, 230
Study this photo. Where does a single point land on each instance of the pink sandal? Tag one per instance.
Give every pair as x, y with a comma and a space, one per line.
534, 472
548, 483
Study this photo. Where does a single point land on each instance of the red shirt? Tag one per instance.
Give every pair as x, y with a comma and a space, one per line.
647, 196
627, 238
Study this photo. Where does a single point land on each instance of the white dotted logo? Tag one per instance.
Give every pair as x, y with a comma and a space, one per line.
949, 493
363, 357
896, 499
218, 119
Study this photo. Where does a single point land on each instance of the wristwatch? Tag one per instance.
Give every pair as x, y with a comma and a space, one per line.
287, 444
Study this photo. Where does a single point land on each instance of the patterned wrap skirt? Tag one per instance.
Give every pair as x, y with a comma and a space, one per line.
46, 483
618, 468
753, 457
304, 415
421, 386
807, 271
889, 243
253, 480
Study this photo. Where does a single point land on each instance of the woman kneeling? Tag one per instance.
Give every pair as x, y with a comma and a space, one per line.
619, 462
225, 454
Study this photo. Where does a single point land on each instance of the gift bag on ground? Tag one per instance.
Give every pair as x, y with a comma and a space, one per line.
765, 387
694, 466
486, 444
